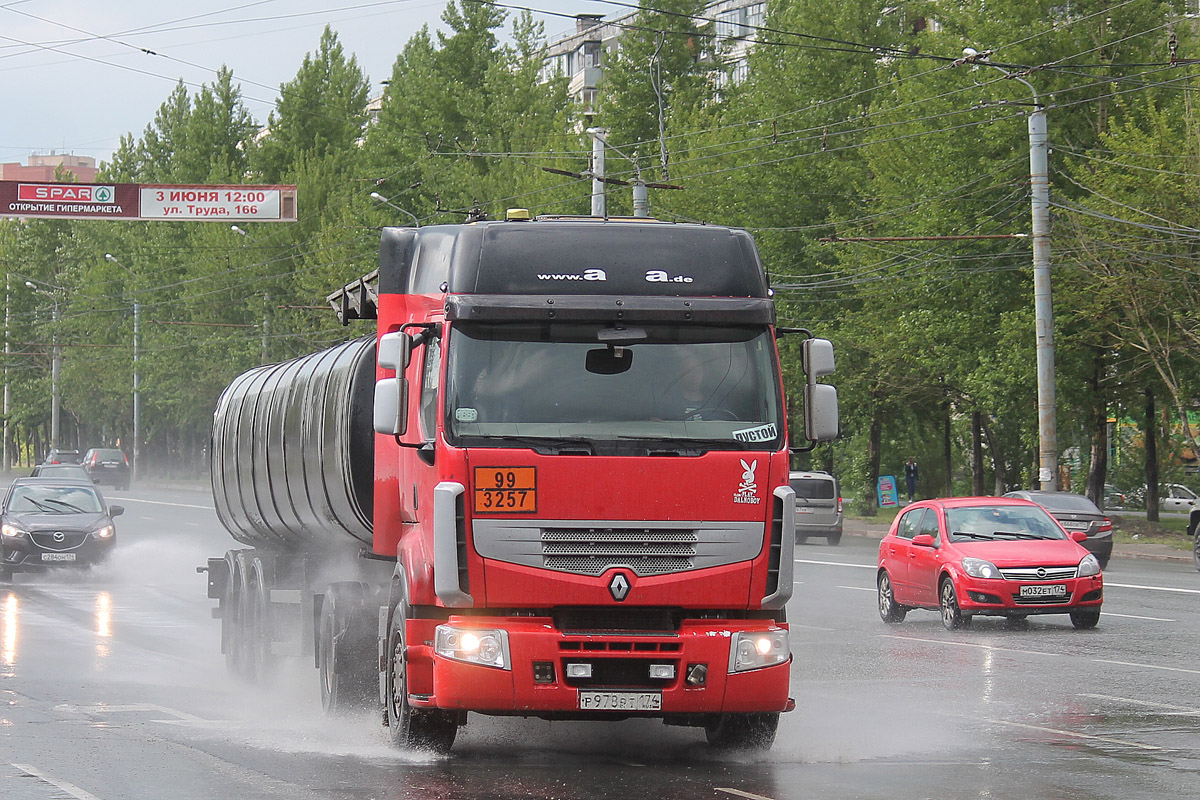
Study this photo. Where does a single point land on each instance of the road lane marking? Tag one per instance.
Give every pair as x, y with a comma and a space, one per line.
1146, 666
1135, 616
860, 588
162, 503
1040, 653
180, 716
1150, 588
835, 563
1181, 710
61, 785
1061, 732
740, 793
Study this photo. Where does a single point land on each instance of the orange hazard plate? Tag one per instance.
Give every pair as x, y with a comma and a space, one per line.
505, 490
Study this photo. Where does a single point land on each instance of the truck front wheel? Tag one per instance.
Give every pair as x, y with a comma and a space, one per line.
417, 729
742, 731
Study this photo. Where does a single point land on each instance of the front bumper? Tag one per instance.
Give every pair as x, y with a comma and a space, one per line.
620, 663
22, 553
1003, 597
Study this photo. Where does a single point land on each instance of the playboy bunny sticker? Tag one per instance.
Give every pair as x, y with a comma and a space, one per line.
747, 492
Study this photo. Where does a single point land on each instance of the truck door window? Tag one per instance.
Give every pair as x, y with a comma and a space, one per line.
429, 387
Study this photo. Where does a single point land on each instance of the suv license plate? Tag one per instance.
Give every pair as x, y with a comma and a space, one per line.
1053, 590
804, 510
58, 556
620, 701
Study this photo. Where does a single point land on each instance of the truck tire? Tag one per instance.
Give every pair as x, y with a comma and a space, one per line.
231, 615
346, 650
742, 731
411, 728
254, 616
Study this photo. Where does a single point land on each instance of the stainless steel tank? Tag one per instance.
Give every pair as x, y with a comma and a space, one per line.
293, 448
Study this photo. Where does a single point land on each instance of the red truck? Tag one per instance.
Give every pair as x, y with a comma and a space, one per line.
552, 483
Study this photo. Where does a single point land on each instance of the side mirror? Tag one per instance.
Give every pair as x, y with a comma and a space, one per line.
820, 412
818, 358
116, 511
391, 406
923, 540
394, 351
1078, 536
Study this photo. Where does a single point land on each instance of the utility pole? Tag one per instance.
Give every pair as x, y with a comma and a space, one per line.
7, 356
137, 397
599, 208
55, 376
266, 324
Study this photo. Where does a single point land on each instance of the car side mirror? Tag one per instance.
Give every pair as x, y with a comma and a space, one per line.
1078, 536
116, 511
923, 540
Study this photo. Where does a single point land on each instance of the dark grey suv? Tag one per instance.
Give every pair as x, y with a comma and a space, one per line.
107, 465
818, 506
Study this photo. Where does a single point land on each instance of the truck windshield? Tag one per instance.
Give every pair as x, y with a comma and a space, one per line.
596, 388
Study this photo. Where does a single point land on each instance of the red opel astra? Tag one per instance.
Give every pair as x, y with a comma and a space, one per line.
996, 556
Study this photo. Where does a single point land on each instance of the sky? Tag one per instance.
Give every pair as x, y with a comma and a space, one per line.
75, 77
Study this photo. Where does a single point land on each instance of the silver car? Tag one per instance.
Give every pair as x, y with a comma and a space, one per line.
818, 506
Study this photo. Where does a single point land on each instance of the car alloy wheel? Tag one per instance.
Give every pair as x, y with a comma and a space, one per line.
889, 612
952, 616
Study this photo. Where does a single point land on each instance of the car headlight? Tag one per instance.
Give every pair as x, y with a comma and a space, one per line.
758, 649
1088, 566
8, 529
104, 533
487, 648
978, 568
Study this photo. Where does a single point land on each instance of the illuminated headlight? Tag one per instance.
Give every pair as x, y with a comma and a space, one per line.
758, 649
487, 648
978, 568
103, 533
1089, 566
11, 530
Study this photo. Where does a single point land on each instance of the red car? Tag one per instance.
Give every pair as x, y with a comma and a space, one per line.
997, 556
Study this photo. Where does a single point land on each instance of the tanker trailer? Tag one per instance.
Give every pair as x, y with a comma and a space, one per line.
292, 476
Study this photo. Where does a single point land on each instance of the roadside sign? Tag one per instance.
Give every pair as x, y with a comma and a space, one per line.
888, 496
159, 202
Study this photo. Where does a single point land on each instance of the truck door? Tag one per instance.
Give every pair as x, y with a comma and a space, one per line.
417, 476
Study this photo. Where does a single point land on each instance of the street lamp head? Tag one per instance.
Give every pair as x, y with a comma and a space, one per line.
31, 285
238, 230
970, 52
378, 197
111, 257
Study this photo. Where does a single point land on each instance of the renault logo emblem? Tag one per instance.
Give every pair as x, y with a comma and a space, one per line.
59, 536
618, 587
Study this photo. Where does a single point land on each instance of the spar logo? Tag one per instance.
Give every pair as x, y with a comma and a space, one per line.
65, 193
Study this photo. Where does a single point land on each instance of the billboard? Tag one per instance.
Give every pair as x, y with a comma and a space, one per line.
159, 202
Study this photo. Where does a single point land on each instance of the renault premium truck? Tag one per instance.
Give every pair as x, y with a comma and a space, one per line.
552, 482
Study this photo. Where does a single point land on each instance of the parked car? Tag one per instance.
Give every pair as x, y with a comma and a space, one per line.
1177, 497
1114, 498
996, 556
54, 522
1075, 512
107, 465
74, 472
62, 457
818, 506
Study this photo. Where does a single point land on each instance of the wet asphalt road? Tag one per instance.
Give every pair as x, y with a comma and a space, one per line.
112, 687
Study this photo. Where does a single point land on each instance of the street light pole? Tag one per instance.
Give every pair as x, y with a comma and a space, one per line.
377, 197
1043, 307
137, 397
7, 355
55, 367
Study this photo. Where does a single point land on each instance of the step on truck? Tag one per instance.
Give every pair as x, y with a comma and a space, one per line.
552, 483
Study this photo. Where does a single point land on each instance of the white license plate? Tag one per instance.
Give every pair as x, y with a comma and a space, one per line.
804, 510
110, 466
620, 701
58, 556
1052, 590
1076, 526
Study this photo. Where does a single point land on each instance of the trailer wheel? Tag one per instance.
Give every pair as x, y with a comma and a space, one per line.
742, 731
231, 611
254, 616
346, 651
417, 729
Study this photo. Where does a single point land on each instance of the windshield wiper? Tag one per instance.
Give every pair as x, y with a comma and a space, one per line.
69, 506
1020, 535
973, 535
576, 445
685, 443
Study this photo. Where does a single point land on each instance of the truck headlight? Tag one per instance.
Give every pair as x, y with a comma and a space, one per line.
488, 648
978, 568
757, 649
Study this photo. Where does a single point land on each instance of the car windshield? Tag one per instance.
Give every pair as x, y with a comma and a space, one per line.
592, 387
54, 500
1002, 523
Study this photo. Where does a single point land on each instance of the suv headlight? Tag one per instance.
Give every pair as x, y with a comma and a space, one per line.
488, 648
978, 568
8, 529
757, 649
104, 532
1088, 565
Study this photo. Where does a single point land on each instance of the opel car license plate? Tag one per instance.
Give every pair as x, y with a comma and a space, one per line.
58, 556
1051, 590
620, 701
